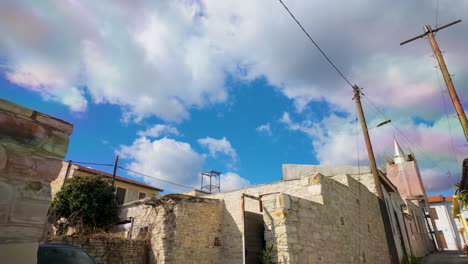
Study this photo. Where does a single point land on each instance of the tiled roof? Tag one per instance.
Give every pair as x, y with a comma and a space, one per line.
118, 178
439, 199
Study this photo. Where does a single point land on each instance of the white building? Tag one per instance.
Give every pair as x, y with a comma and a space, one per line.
450, 232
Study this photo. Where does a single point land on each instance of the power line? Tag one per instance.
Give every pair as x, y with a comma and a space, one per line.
316, 45
403, 136
149, 176
92, 163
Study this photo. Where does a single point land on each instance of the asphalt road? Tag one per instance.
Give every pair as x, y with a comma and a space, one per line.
446, 257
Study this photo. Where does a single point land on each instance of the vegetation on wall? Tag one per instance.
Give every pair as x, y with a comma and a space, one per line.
86, 203
267, 255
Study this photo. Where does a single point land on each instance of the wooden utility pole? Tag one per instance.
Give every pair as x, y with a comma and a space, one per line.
115, 169
443, 68
378, 186
365, 132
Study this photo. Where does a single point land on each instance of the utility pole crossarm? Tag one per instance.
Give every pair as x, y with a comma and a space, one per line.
429, 32
433, 31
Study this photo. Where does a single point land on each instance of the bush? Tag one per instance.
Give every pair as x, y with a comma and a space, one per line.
267, 255
86, 203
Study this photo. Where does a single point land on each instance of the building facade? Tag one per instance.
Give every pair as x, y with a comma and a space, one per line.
127, 190
450, 231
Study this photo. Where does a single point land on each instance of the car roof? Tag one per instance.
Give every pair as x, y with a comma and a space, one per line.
57, 245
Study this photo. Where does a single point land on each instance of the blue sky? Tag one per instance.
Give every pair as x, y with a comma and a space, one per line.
180, 87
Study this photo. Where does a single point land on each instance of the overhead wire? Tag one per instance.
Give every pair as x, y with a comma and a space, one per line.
153, 177
347, 81
403, 135
136, 172
315, 43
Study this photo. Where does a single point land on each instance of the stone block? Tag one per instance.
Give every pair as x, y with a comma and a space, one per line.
29, 212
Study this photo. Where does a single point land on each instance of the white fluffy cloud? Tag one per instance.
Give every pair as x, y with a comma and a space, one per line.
172, 161
216, 146
159, 130
231, 181
163, 58
166, 159
266, 128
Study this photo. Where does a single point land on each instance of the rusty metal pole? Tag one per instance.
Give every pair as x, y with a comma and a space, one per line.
448, 81
243, 227
370, 151
115, 169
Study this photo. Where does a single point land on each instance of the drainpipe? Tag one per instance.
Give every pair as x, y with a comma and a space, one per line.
243, 227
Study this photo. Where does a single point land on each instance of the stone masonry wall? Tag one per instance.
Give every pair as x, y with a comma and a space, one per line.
181, 228
325, 203
346, 228
109, 250
32, 146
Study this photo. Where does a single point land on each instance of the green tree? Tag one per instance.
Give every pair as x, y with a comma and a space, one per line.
85, 202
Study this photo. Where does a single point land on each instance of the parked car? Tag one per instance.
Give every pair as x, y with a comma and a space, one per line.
62, 254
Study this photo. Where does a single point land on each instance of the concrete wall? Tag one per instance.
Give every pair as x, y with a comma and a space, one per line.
32, 146
109, 250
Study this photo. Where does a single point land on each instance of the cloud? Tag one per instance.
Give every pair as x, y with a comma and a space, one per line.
231, 181
159, 130
173, 161
165, 58
306, 126
216, 146
339, 141
264, 128
166, 159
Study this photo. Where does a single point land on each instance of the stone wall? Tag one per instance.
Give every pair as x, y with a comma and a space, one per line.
180, 228
109, 250
321, 219
346, 227
32, 146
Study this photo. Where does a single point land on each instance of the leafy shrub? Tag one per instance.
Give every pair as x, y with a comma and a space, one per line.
85, 202
267, 255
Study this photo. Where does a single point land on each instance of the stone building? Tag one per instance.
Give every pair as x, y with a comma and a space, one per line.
315, 214
127, 190
32, 145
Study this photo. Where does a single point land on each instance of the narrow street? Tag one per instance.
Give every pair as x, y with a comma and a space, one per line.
446, 257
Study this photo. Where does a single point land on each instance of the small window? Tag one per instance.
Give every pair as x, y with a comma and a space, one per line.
120, 195
141, 195
433, 213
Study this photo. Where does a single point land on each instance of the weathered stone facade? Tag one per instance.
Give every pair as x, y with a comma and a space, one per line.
109, 250
32, 146
309, 217
180, 228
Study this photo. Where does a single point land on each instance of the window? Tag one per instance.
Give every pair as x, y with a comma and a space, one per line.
120, 194
141, 195
433, 213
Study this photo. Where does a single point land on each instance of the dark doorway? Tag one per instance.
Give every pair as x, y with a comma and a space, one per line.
254, 237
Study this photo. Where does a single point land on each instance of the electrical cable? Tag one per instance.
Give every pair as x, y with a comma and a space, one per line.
316, 45
403, 136
152, 177
92, 163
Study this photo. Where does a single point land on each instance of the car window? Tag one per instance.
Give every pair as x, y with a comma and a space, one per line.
63, 255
